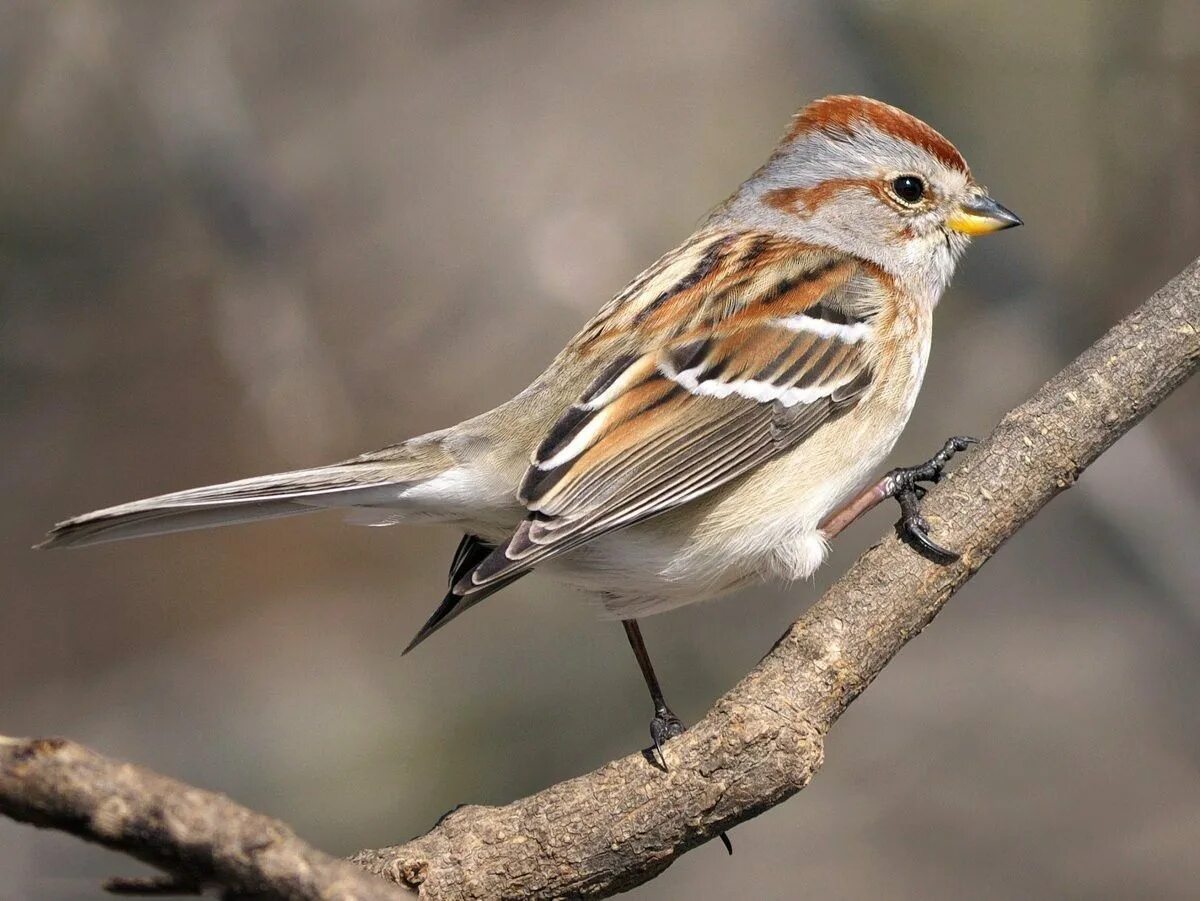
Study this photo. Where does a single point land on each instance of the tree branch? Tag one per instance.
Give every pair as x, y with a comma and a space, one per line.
621, 825
199, 837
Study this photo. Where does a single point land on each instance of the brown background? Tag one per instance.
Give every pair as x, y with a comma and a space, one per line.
243, 237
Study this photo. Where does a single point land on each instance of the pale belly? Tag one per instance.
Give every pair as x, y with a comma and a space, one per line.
762, 527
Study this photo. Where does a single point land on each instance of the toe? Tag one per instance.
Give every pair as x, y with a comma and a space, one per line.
665, 726
918, 530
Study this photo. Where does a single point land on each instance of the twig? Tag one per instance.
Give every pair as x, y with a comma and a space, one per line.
619, 826
200, 838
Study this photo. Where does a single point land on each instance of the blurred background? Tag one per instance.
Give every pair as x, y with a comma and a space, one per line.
244, 237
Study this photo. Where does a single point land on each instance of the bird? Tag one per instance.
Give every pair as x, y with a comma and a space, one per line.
713, 425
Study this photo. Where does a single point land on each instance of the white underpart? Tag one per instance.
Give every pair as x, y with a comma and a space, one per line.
641, 572
798, 558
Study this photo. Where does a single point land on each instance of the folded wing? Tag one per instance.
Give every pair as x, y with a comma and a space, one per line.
662, 428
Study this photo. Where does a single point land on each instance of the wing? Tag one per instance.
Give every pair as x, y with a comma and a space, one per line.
663, 427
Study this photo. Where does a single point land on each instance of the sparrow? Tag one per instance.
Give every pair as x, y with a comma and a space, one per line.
713, 424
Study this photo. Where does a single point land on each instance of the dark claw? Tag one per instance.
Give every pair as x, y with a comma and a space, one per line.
917, 529
905, 487
665, 726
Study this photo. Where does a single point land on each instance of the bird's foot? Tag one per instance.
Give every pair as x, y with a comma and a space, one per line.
665, 726
904, 485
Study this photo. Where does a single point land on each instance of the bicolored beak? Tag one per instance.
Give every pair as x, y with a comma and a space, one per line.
981, 215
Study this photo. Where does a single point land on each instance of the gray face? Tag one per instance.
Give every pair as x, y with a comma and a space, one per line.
862, 209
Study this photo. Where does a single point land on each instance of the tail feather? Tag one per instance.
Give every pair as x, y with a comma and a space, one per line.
471, 551
246, 500
453, 605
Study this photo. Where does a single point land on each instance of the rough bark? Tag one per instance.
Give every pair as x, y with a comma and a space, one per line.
621, 825
199, 837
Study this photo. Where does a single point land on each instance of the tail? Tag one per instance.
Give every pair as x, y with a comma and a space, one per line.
472, 551
375, 481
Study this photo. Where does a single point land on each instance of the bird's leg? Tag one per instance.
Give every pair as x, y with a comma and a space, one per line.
903, 485
665, 725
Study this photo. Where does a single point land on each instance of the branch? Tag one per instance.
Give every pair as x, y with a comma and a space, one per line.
200, 838
621, 825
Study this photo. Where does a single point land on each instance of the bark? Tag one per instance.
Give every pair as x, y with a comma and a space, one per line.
198, 837
621, 825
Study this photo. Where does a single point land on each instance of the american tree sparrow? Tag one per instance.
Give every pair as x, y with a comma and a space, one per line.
711, 424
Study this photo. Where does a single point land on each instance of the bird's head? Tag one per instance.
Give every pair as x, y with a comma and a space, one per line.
868, 179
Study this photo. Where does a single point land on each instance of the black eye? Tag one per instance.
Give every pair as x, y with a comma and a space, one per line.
909, 188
